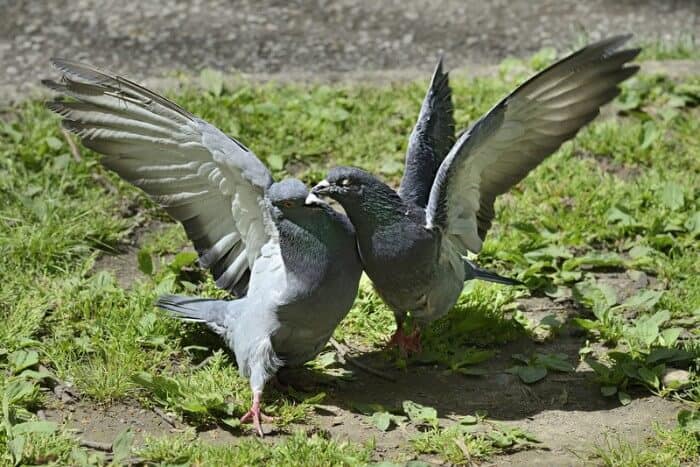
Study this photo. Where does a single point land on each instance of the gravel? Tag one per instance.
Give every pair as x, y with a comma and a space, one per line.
145, 39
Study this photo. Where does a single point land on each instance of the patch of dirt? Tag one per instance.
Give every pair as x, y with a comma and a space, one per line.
124, 263
102, 424
565, 410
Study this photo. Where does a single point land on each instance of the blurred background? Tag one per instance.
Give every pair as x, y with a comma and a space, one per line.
145, 39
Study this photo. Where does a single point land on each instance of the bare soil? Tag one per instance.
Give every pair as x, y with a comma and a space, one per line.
565, 410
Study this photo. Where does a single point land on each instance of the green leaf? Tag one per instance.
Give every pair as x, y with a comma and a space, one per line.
608, 391
500, 440
145, 262
382, 420
418, 413
670, 336
689, 420
556, 362
644, 301
275, 161
668, 355
693, 224
650, 133
212, 81
23, 359
672, 196
648, 377
529, 374
619, 214
233, 422
16, 446
468, 420
54, 143
624, 398
548, 253
182, 259
41, 426
121, 446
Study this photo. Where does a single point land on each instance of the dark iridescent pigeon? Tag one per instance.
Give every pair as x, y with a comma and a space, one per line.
412, 243
289, 255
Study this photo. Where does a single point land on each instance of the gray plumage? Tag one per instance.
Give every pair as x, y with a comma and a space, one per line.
414, 251
289, 255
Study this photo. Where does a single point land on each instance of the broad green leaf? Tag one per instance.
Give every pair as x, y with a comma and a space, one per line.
556, 362
689, 420
468, 420
212, 81
529, 374
182, 259
500, 439
145, 262
16, 446
41, 426
644, 301
624, 398
275, 161
418, 413
17, 390
382, 420
54, 143
121, 446
22, 359
693, 224
670, 336
618, 214
650, 133
672, 196
668, 355
649, 377
233, 422
608, 391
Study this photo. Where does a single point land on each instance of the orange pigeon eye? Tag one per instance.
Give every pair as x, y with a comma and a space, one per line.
288, 204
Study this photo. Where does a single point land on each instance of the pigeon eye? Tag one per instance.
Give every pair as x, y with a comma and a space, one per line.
345, 182
288, 204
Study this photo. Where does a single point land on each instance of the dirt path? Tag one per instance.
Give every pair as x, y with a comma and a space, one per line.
144, 39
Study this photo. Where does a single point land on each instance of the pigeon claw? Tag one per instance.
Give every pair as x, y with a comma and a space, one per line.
254, 415
407, 343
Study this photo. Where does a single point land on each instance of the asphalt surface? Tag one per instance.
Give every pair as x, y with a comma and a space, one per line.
145, 39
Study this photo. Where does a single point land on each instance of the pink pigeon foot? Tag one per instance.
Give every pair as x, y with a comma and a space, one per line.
254, 415
407, 343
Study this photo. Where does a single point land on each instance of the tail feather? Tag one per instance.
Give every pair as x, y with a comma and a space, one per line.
472, 271
200, 310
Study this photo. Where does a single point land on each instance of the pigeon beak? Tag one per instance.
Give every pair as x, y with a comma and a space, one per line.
323, 188
313, 200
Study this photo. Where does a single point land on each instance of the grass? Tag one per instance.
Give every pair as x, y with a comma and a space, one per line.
624, 196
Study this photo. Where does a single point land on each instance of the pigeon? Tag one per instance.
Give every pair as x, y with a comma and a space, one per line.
413, 242
290, 258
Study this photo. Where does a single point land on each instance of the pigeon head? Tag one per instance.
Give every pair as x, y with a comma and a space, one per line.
365, 198
345, 183
291, 199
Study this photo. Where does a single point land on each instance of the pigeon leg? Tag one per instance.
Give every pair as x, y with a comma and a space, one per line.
407, 343
254, 415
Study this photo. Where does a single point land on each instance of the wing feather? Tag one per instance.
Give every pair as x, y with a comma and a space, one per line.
430, 140
517, 134
208, 181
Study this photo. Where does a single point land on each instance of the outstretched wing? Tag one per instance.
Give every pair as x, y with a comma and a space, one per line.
208, 181
518, 134
430, 140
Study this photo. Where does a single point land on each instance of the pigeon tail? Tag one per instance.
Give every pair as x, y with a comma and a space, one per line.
200, 310
472, 271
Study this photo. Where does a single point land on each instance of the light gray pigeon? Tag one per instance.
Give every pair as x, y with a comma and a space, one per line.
413, 243
289, 255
